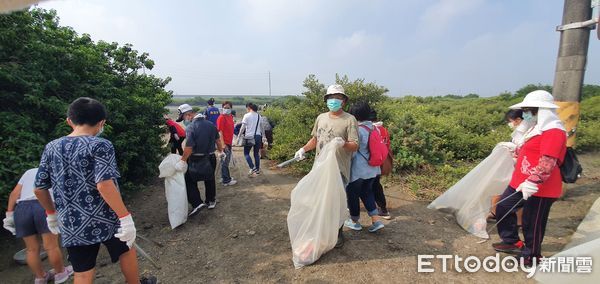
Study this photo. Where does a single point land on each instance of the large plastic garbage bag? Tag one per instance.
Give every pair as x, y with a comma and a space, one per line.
578, 262
470, 198
174, 190
318, 209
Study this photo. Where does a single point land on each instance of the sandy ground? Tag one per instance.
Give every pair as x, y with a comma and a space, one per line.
245, 239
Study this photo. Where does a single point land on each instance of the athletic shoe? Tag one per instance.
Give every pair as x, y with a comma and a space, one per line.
257, 172
47, 277
212, 205
230, 183
354, 226
63, 276
509, 248
376, 227
197, 210
385, 215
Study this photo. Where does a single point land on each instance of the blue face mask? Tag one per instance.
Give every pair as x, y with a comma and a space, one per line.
100, 132
226, 111
529, 117
186, 123
334, 104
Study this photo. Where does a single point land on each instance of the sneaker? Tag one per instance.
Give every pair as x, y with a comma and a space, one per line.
230, 183
212, 205
385, 215
376, 227
197, 210
257, 172
63, 276
252, 173
48, 277
148, 280
508, 248
352, 225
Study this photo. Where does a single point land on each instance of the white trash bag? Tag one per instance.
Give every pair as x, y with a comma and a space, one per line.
470, 198
174, 190
318, 209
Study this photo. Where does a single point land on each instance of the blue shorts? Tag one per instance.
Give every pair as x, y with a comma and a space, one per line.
30, 219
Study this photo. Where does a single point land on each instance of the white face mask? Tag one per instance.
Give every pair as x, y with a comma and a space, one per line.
226, 111
511, 125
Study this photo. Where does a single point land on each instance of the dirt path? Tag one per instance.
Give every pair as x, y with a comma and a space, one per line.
245, 238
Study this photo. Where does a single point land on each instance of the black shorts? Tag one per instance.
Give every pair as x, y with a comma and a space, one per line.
83, 258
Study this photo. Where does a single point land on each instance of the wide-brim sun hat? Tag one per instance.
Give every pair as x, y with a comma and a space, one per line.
334, 90
539, 99
182, 109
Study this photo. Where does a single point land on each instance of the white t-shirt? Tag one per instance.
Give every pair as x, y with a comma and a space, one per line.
250, 120
28, 183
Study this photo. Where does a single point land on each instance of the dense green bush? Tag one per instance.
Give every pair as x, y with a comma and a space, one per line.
43, 67
435, 140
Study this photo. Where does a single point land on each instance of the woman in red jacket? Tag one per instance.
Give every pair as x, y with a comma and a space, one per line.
177, 135
536, 182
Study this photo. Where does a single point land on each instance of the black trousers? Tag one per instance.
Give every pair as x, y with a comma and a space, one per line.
535, 217
176, 146
210, 186
379, 196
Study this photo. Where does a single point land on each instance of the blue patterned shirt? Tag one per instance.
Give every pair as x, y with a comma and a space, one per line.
72, 166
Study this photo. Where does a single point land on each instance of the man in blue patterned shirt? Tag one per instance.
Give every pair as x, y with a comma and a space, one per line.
87, 209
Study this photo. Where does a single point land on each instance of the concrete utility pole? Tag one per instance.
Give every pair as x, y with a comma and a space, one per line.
571, 62
269, 83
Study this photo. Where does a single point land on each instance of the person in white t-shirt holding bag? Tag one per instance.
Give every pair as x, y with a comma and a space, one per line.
26, 219
251, 137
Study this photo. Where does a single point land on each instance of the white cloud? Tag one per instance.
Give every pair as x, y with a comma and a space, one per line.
270, 15
441, 14
358, 44
96, 19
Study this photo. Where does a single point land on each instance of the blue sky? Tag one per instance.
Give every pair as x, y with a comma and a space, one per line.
412, 47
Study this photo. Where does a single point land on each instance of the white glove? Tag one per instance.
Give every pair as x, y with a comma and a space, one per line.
508, 145
52, 221
222, 155
338, 141
176, 136
528, 189
126, 232
9, 222
181, 166
300, 154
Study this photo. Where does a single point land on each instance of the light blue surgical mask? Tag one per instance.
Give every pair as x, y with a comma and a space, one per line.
186, 122
100, 132
334, 104
528, 116
226, 111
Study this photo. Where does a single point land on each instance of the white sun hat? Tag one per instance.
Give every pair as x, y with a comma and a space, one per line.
538, 98
335, 89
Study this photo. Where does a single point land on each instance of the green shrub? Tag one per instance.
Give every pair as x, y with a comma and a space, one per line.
44, 67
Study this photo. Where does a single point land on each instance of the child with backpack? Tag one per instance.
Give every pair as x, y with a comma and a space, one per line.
385, 168
365, 167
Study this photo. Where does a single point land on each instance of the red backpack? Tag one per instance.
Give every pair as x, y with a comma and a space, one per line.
378, 148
